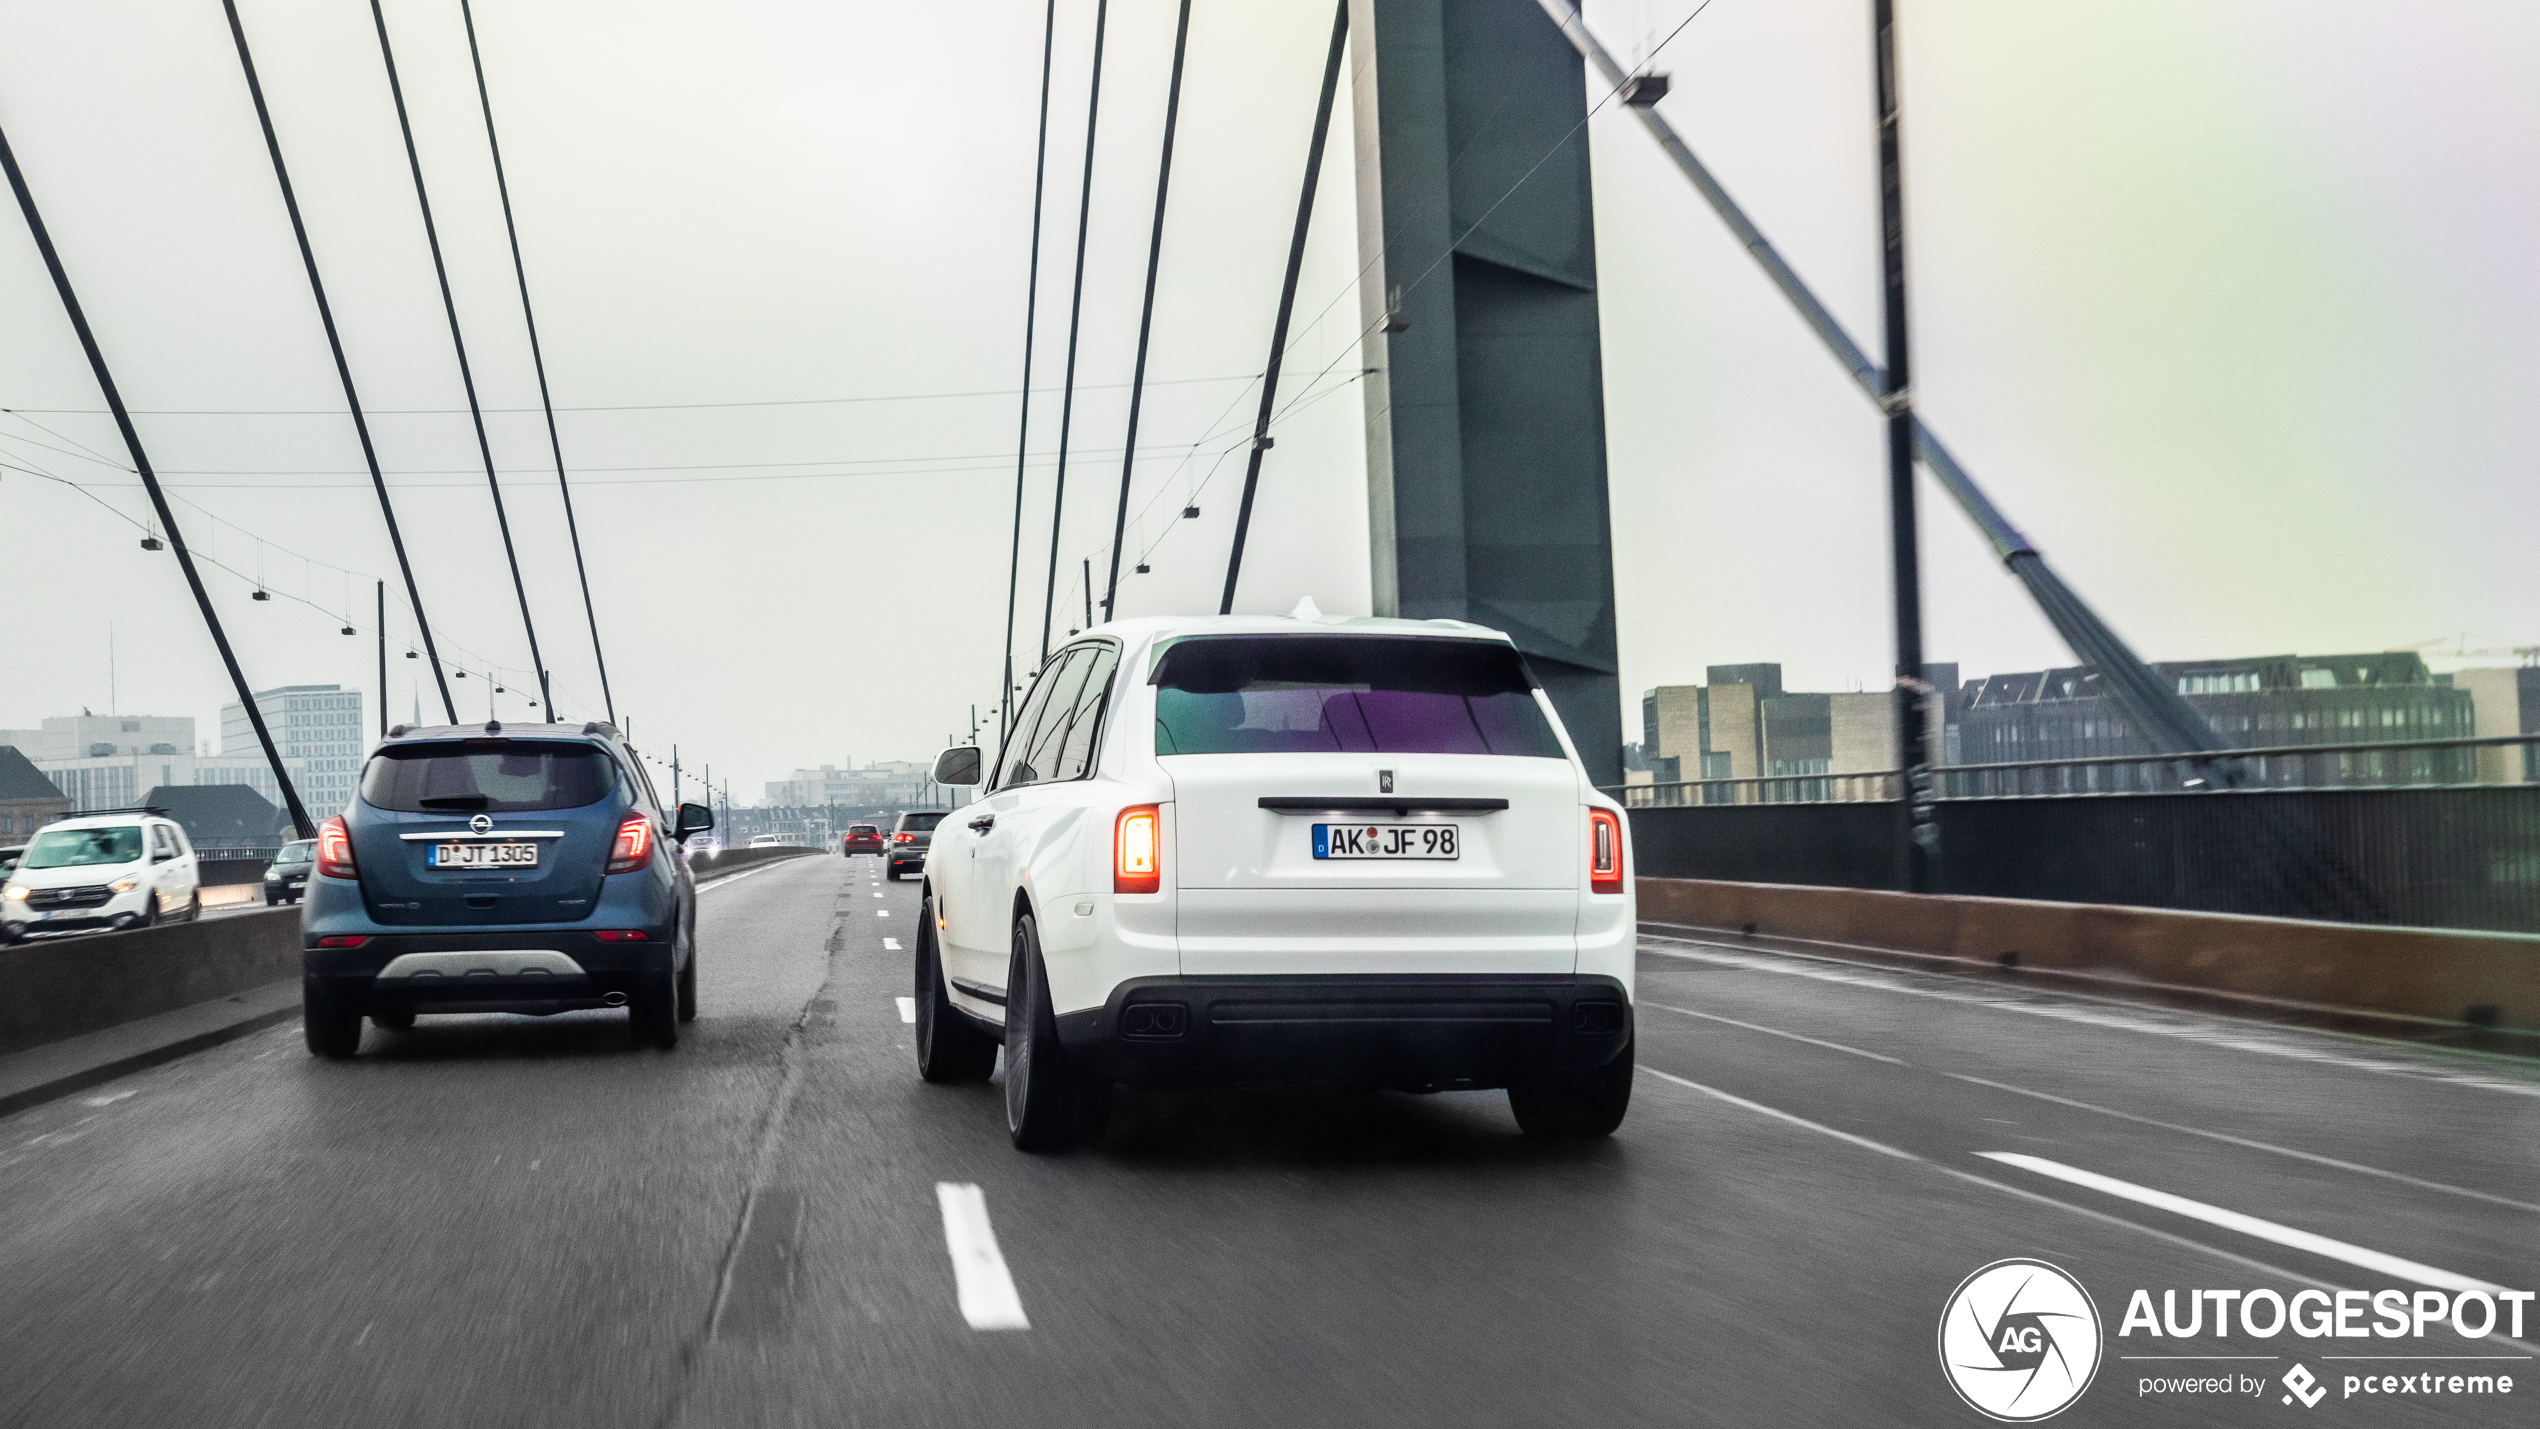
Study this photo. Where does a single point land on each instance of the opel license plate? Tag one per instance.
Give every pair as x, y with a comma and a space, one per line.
483, 856
1385, 840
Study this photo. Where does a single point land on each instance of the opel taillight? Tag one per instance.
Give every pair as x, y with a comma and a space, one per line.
903, 838
1605, 852
634, 846
1137, 857
335, 849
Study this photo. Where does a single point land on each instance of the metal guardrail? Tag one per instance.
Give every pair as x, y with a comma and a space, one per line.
2409, 764
2402, 833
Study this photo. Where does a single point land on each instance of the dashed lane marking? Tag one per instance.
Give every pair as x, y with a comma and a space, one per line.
2248, 1225
2226, 1138
890, 945
2254, 1145
1776, 1032
2084, 1009
881, 912
2019, 1192
908, 1008
985, 1288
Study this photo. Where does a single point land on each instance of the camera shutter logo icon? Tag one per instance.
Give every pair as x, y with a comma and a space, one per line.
2019, 1341
2305, 1385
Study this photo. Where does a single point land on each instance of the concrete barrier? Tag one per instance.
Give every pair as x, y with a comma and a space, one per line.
732, 860
2416, 974
222, 872
61, 987
55, 988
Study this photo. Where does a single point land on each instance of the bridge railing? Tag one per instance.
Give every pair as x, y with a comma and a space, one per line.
2392, 833
2382, 764
1857, 788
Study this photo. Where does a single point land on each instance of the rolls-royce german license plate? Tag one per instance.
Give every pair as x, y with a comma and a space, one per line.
1385, 840
486, 855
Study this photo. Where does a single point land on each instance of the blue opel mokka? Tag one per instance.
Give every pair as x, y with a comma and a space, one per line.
501, 868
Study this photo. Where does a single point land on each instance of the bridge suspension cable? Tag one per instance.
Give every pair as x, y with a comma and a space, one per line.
1287, 302
335, 345
2165, 717
150, 479
1075, 318
1031, 310
458, 342
537, 358
1146, 306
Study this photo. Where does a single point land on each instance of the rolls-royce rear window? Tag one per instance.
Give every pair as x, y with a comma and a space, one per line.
1371, 694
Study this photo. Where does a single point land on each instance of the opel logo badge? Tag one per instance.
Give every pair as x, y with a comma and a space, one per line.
480, 825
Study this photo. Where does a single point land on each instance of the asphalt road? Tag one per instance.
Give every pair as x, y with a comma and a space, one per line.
507, 1221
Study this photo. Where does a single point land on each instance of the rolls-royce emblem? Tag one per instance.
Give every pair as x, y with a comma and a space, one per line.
480, 825
1384, 781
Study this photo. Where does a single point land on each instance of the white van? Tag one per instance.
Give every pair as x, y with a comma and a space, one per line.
1281, 850
119, 868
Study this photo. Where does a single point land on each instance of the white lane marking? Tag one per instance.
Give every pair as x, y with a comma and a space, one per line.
107, 1100
908, 1008
1881, 1147
890, 945
2101, 1012
2020, 1192
2248, 1225
713, 884
2023, 1193
877, 895
881, 912
1773, 1032
2310, 1156
986, 1290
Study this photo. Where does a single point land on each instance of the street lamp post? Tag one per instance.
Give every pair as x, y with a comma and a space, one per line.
1921, 841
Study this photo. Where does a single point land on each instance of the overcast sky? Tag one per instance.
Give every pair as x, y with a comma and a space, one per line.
2230, 306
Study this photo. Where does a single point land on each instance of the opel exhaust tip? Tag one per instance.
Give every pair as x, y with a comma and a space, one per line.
614, 999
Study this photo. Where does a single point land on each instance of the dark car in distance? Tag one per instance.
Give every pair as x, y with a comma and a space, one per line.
500, 868
287, 877
909, 838
861, 838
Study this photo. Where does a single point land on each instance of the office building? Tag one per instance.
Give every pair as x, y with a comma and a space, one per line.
1741, 724
882, 784
2267, 701
2505, 701
113, 761
86, 736
320, 734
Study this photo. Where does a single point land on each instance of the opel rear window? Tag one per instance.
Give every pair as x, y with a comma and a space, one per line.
1350, 694
494, 776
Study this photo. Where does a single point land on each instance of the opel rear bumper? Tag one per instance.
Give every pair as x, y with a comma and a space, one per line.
520, 971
